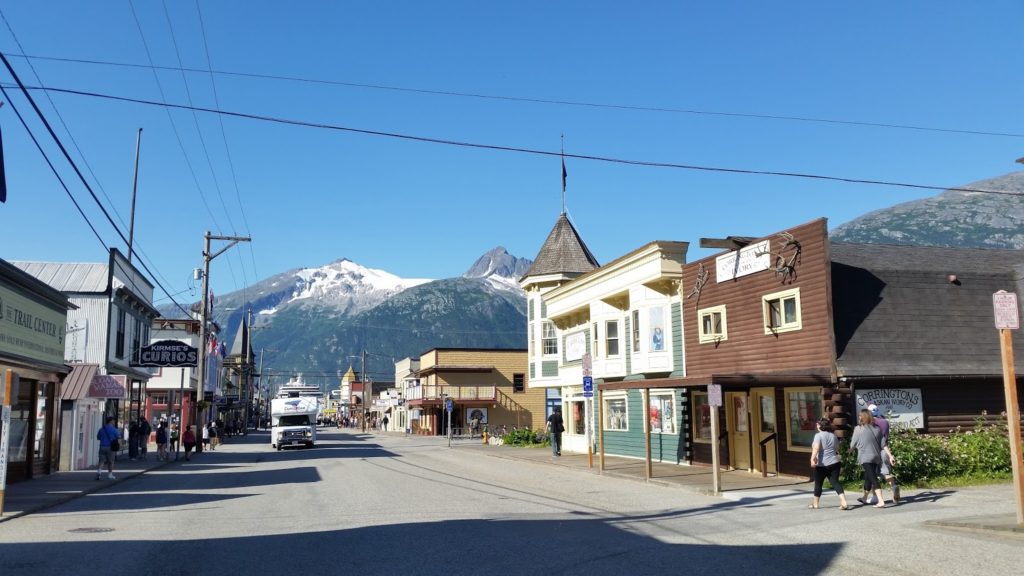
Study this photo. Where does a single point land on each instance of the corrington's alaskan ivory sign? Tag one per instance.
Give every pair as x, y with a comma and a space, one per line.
901, 406
748, 260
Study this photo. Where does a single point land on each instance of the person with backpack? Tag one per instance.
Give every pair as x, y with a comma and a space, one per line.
826, 463
110, 443
556, 426
188, 440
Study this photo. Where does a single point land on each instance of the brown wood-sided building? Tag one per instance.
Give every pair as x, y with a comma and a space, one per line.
794, 327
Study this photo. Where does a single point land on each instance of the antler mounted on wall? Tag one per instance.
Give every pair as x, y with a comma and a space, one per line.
698, 283
787, 257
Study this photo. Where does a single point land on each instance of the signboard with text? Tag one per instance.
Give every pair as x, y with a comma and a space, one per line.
1004, 306
167, 354
30, 329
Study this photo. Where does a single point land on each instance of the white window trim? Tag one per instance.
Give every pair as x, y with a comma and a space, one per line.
785, 396
618, 338
606, 415
543, 338
782, 297
695, 420
705, 338
675, 407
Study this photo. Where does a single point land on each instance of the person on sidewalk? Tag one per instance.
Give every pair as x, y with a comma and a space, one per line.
206, 436
214, 436
826, 463
384, 424
144, 431
133, 440
555, 427
188, 439
867, 441
888, 461
109, 438
161, 441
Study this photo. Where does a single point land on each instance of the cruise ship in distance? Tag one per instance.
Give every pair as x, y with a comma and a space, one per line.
297, 387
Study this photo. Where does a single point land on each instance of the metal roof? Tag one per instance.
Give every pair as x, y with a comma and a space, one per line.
68, 276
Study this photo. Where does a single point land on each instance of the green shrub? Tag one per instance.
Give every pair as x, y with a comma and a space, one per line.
525, 437
980, 453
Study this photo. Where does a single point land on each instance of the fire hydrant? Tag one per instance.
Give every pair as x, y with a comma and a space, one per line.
484, 436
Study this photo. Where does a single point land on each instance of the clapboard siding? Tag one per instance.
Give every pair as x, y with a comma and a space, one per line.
747, 348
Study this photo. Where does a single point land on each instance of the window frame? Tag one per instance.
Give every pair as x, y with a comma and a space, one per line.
548, 341
519, 383
596, 346
700, 402
119, 338
606, 413
608, 339
636, 330
712, 338
808, 426
661, 395
781, 298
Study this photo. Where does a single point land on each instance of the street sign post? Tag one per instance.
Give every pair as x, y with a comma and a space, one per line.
714, 402
1007, 318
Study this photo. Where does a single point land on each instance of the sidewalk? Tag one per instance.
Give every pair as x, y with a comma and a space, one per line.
46, 491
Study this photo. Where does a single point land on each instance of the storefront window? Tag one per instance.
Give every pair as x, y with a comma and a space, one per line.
615, 415
21, 416
701, 418
578, 417
803, 409
41, 437
663, 413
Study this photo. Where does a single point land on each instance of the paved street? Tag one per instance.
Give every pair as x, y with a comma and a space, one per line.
391, 504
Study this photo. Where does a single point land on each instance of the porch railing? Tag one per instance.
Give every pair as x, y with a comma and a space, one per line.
454, 392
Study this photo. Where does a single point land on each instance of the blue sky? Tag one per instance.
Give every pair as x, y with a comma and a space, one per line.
309, 196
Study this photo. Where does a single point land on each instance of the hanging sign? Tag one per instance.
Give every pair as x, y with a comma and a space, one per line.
166, 354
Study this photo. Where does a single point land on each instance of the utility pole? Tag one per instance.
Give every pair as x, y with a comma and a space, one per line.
135, 186
203, 347
247, 391
366, 391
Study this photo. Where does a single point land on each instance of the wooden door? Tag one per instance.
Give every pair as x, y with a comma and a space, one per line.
738, 422
764, 422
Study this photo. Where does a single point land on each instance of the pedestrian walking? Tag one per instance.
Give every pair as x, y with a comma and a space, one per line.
110, 442
214, 436
144, 431
826, 463
384, 424
188, 439
555, 427
206, 436
161, 442
133, 440
175, 437
867, 441
888, 461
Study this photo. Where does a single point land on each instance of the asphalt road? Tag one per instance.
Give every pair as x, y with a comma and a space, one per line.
389, 504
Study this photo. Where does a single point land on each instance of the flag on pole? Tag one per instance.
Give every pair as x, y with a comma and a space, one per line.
564, 174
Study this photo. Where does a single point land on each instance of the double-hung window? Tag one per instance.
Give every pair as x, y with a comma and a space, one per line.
550, 339
781, 311
711, 325
611, 338
636, 330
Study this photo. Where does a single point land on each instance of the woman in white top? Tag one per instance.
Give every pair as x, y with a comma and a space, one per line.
826, 463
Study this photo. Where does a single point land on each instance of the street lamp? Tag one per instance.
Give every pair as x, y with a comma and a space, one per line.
207, 257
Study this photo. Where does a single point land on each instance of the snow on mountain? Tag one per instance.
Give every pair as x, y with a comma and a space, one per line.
342, 285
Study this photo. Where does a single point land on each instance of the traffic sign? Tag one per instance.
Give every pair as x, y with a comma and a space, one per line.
588, 364
1004, 305
588, 384
588, 394
450, 406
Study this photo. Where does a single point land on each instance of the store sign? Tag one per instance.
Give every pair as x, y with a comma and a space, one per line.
748, 260
167, 354
575, 346
30, 329
901, 406
108, 386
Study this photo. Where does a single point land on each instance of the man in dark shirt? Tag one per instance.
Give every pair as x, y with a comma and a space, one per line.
555, 427
887, 462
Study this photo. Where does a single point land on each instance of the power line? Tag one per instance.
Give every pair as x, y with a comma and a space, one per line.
575, 103
78, 149
532, 151
78, 172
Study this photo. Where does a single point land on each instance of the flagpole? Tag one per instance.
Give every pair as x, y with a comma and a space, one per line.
564, 174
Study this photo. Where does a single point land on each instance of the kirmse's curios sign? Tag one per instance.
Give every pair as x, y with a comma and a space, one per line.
167, 354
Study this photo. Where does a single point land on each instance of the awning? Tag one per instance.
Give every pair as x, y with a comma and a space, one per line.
76, 384
107, 386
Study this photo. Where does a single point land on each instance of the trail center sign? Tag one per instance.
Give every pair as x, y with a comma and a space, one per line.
167, 354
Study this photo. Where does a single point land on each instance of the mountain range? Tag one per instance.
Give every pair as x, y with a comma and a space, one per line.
318, 322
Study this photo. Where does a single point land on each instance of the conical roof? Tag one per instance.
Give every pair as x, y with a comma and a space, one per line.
563, 252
